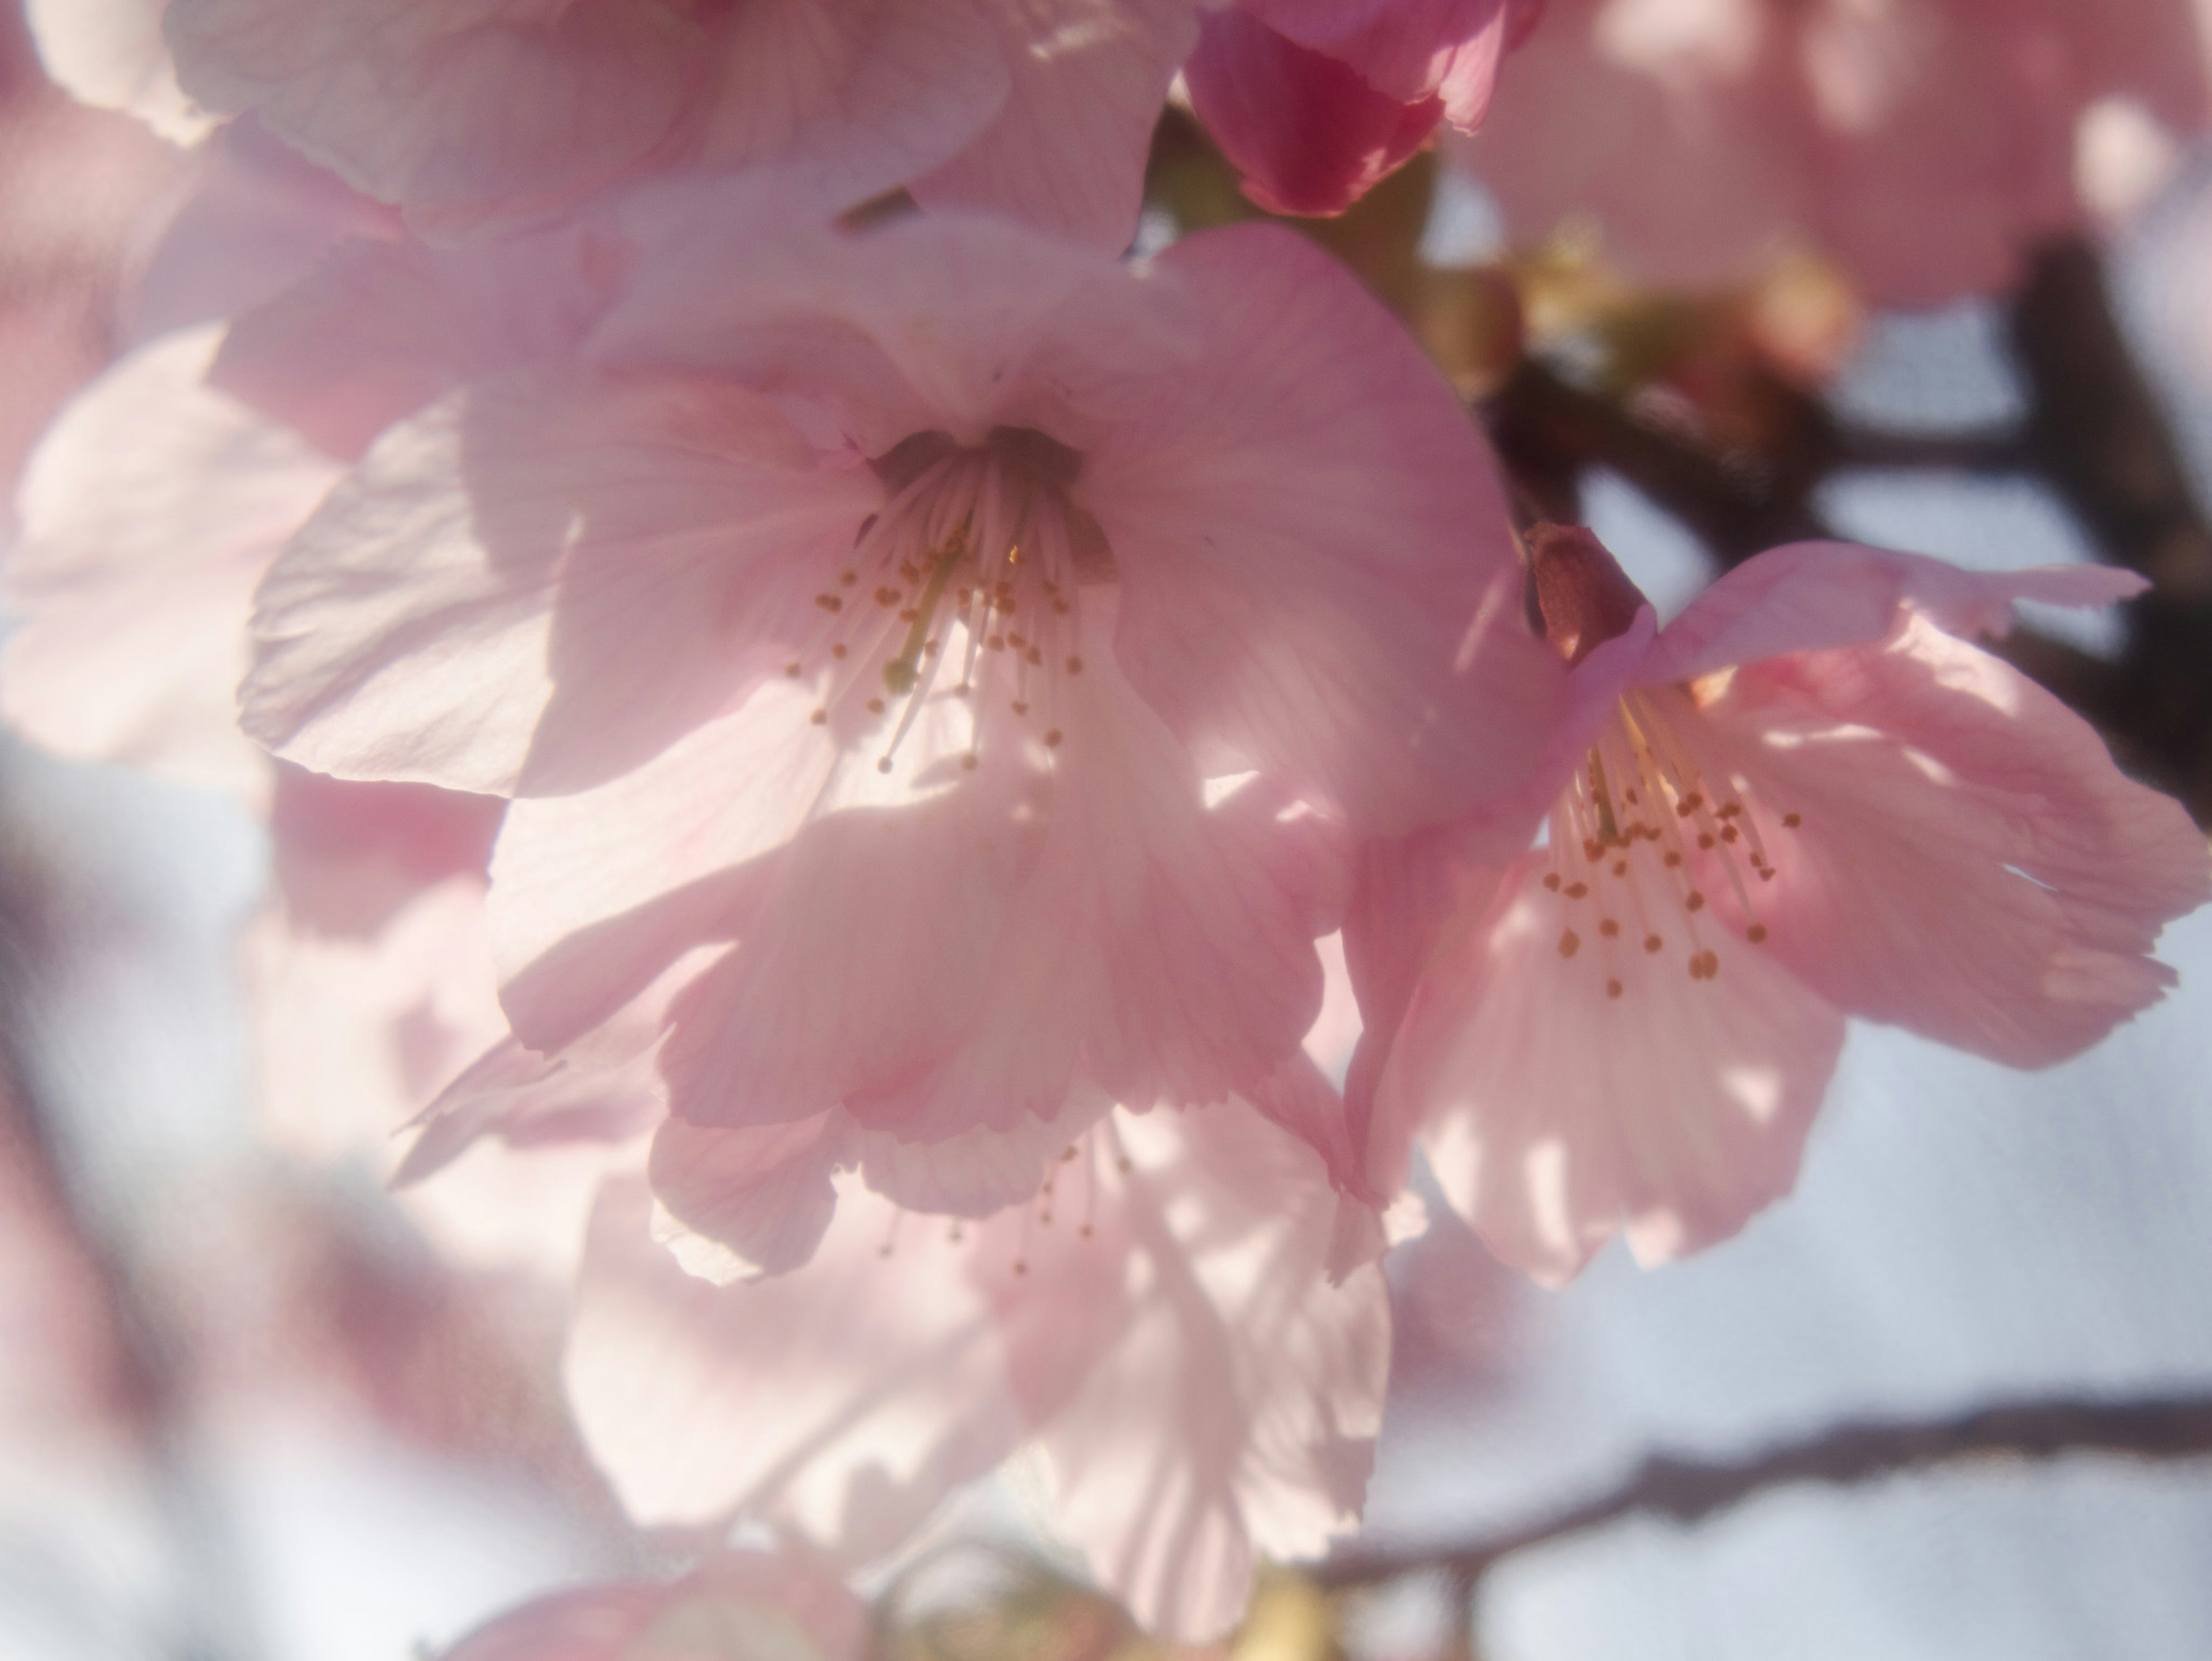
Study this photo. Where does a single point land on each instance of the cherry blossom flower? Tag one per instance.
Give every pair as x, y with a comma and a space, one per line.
1805, 798
736, 1603
1316, 101
1156, 1324
464, 112
1926, 144
882, 604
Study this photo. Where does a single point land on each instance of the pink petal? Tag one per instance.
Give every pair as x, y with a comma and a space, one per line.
148, 514
842, 1400
1970, 864
347, 855
1204, 923
868, 959
1066, 151
1409, 50
732, 1205
539, 583
257, 220
380, 329
981, 1171
1308, 135
762, 1194
1309, 533
1298, 1098
526, 1100
1235, 1413
781, 1603
596, 895
1811, 596
1555, 1113
441, 107
847, 100
956, 323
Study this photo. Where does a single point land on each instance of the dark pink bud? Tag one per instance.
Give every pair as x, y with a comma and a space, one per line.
1585, 596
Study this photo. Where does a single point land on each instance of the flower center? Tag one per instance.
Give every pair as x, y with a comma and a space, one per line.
1647, 821
977, 559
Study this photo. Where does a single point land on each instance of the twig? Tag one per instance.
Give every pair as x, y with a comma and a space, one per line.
2102, 440
1548, 431
1996, 450
1689, 1491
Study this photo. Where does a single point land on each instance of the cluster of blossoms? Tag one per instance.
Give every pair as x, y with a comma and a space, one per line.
784, 670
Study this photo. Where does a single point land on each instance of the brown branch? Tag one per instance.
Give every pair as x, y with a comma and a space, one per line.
1996, 450
1548, 431
2102, 440
1689, 1491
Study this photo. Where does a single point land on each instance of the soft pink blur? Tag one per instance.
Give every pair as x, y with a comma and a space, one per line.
1926, 144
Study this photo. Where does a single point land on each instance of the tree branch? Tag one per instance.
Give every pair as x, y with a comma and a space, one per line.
1689, 1491
2101, 440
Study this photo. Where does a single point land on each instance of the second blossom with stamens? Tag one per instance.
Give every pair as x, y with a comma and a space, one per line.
1804, 799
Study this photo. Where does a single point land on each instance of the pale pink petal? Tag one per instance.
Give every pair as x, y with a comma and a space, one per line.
848, 99
734, 1204
1308, 134
595, 895
1261, 1383
146, 516
110, 54
1204, 930
1965, 860
957, 323
255, 221
539, 583
980, 1171
1810, 597
1407, 48
454, 107
528, 1100
348, 855
779, 1603
761, 1195
844, 1399
1166, 947
1557, 1112
381, 328
1311, 540
1066, 150
866, 963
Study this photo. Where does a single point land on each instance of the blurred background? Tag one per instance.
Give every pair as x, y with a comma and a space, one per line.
254, 1409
